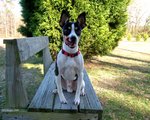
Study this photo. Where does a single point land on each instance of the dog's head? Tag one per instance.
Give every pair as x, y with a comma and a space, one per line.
72, 30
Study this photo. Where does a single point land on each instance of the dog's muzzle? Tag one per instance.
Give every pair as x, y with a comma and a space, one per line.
71, 41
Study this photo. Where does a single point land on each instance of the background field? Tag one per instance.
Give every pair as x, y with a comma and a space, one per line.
121, 80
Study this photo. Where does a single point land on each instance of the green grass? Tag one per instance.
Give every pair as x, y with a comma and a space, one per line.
32, 76
121, 80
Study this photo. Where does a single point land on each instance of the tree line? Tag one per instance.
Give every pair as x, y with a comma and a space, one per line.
8, 20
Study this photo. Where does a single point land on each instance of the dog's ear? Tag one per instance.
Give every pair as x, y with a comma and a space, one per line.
64, 18
82, 20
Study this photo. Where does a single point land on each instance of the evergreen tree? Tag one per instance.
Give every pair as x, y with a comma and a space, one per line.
106, 22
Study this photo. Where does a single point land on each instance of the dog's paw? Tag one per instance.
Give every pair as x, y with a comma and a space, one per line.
55, 91
82, 93
77, 101
63, 100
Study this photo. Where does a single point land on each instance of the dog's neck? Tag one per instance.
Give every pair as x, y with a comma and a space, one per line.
70, 50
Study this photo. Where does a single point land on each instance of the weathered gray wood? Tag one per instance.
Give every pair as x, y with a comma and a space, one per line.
69, 107
90, 102
24, 48
29, 46
47, 59
10, 41
43, 99
23, 115
47, 101
16, 94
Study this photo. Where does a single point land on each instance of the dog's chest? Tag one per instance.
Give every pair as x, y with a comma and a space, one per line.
70, 69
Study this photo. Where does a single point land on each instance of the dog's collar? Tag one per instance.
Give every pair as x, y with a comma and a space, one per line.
70, 54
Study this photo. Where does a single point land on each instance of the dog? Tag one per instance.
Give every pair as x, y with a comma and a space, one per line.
69, 63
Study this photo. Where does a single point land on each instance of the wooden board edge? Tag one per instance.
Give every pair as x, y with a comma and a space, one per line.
24, 115
5, 41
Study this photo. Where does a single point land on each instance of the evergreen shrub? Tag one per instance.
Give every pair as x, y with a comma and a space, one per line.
106, 22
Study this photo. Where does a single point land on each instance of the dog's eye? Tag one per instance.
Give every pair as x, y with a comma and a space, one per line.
69, 28
76, 28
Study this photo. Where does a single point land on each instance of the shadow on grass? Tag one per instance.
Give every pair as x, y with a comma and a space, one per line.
136, 80
130, 83
129, 58
134, 51
134, 68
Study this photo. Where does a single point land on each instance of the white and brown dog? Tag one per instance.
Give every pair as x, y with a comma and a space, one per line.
70, 63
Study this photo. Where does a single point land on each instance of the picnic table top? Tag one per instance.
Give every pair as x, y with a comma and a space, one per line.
46, 101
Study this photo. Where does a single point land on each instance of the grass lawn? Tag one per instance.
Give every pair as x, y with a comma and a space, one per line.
121, 80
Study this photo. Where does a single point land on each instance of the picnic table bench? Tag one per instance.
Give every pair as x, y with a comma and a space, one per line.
45, 105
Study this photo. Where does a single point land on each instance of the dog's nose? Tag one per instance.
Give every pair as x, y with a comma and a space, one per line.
73, 39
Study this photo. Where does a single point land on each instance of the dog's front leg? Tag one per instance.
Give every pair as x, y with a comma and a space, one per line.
59, 90
78, 91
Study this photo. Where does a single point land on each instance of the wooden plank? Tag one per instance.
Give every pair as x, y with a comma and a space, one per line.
16, 94
47, 59
89, 102
69, 107
23, 115
29, 46
43, 99
10, 41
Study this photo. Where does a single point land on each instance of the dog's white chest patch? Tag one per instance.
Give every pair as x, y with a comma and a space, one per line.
70, 70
